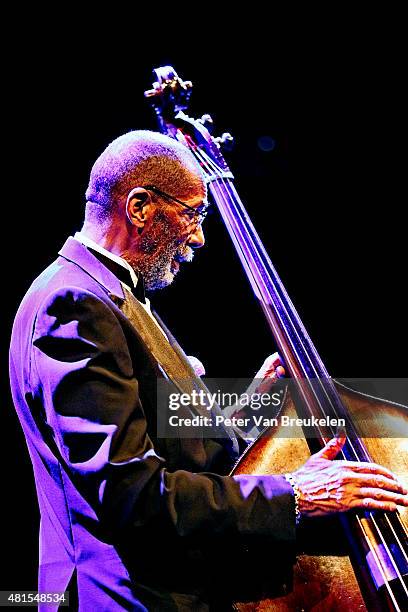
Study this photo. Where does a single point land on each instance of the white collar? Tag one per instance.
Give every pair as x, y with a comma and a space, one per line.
100, 249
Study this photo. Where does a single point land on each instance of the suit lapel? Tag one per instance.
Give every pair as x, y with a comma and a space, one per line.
169, 355
175, 366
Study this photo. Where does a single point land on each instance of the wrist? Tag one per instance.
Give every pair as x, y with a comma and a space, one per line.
296, 495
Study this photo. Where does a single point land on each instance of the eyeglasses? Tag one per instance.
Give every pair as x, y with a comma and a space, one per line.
199, 216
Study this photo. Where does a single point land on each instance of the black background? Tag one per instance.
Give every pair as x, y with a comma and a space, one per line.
335, 228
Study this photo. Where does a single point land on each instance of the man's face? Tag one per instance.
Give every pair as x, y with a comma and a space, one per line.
168, 240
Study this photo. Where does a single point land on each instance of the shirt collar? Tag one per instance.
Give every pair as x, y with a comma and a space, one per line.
88, 242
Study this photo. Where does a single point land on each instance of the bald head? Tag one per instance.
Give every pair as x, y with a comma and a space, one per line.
140, 158
129, 218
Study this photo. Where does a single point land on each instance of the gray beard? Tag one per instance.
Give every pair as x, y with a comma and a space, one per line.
156, 253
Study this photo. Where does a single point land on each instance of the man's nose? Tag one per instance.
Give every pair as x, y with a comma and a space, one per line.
196, 239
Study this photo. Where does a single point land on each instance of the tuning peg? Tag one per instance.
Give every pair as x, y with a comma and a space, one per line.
207, 121
226, 141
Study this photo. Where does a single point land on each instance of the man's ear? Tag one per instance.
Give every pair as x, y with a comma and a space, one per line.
138, 203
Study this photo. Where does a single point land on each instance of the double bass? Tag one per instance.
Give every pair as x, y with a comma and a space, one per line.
372, 572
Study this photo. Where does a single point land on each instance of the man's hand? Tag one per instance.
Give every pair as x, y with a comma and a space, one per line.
328, 486
271, 369
197, 366
263, 382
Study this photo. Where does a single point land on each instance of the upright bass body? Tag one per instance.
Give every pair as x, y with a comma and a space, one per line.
324, 577
362, 563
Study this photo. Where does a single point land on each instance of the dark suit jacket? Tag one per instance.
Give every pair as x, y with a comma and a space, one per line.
132, 514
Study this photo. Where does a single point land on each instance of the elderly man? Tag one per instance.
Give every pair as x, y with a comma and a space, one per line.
127, 514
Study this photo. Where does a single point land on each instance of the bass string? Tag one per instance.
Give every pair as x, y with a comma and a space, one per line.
281, 321
380, 568
291, 310
255, 282
258, 282
385, 545
308, 349
387, 518
304, 371
382, 538
391, 556
278, 312
211, 168
288, 311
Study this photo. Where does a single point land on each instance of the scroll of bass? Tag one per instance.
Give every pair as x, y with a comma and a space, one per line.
358, 560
